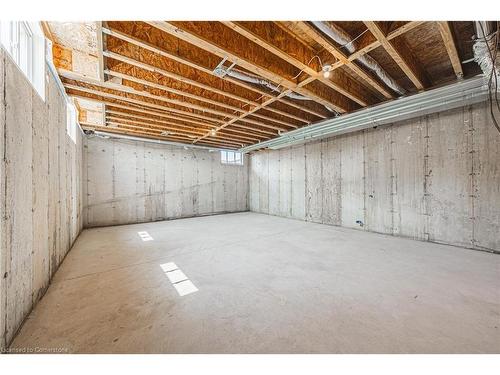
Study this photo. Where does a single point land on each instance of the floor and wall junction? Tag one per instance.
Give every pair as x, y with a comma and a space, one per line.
434, 178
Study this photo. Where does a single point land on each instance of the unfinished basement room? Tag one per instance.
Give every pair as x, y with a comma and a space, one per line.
250, 187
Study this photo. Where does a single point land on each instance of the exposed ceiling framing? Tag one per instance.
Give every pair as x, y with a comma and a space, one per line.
158, 79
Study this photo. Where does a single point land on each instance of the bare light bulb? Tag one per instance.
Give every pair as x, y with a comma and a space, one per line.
326, 70
213, 132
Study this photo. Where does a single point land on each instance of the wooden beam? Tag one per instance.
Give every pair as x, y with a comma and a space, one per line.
131, 100
104, 94
237, 50
343, 59
147, 135
282, 44
149, 124
404, 29
177, 130
143, 127
451, 48
242, 117
250, 130
364, 49
100, 49
401, 56
117, 115
153, 69
149, 118
173, 55
253, 129
172, 90
130, 90
258, 132
163, 115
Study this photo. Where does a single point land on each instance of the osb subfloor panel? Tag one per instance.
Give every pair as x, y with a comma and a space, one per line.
267, 285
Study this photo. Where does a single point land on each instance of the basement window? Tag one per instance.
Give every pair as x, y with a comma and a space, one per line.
71, 120
231, 157
25, 43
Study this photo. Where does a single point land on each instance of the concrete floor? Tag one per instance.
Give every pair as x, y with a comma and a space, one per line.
267, 285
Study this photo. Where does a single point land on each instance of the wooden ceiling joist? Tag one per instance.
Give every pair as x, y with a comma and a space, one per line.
180, 123
156, 130
364, 49
178, 130
162, 79
212, 37
155, 114
210, 46
253, 130
277, 41
269, 124
172, 55
98, 86
154, 136
117, 116
171, 90
100, 49
131, 106
183, 107
401, 56
270, 120
343, 58
180, 127
104, 94
134, 101
449, 43
190, 82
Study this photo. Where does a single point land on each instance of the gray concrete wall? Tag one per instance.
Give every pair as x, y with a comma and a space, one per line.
134, 181
434, 178
40, 195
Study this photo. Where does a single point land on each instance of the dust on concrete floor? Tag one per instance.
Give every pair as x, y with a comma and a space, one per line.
266, 285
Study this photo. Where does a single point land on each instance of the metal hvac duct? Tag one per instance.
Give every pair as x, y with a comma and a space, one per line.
262, 82
485, 42
461, 93
104, 134
345, 40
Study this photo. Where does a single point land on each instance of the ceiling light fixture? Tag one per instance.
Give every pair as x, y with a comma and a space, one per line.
326, 70
213, 132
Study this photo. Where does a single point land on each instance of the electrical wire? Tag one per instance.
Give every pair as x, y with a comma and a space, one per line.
352, 41
312, 58
320, 63
492, 74
494, 64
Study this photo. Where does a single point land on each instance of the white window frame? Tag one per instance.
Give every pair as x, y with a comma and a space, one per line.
231, 157
25, 43
71, 120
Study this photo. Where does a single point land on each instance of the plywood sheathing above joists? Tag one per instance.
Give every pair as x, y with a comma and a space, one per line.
185, 64
401, 54
153, 75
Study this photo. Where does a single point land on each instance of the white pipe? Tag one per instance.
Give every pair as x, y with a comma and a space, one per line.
103, 134
344, 39
456, 95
